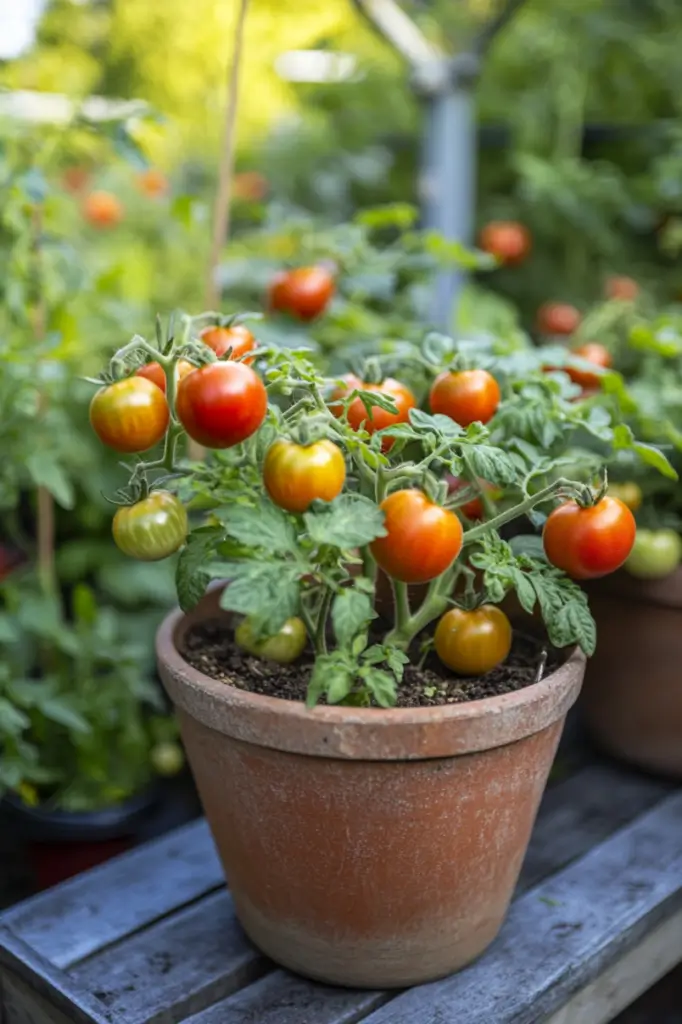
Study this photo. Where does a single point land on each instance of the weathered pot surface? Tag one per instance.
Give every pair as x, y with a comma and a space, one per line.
367, 847
632, 701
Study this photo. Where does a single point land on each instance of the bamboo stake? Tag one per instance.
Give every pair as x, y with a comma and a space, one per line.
45, 525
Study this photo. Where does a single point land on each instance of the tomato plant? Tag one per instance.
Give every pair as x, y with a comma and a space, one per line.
587, 542
130, 415
558, 318
151, 529
656, 553
221, 404
296, 475
509, 241
236, 339
467, 396
314, 513
473, 642
304, 292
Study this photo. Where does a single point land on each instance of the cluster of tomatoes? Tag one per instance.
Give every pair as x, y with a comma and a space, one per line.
510, 242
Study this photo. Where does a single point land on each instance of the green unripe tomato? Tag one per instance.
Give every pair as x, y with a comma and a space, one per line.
283, 648
167, 758
656, 553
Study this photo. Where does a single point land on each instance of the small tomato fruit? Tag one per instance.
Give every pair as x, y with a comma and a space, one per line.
238, 338
130, 415
377, 418
508, 240
157, 375
152, 183
558, 318
620, 287
295, 475
467, 396
591, 353
472, 643
589, 542
221, 404
283, 648
629, 493
102, 209
656, 553
167, 758
304, 292
151, 529
422, 539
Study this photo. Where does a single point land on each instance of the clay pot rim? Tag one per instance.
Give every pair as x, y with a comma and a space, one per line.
362, 733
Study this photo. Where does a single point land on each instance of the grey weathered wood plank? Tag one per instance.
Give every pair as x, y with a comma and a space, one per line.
81, 916
581, 810
584, 810
177, 967
564, 933
34, 991
282, 998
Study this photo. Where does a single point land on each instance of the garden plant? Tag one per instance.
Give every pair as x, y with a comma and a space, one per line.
320, 498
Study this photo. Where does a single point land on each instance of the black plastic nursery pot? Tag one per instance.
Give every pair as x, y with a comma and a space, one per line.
61, 844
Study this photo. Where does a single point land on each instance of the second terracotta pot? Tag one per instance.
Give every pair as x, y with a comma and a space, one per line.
366, 847
632, 701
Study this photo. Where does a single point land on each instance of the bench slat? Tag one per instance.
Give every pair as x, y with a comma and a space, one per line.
282, 998
564, 933
179, 966
588, 806
81, 916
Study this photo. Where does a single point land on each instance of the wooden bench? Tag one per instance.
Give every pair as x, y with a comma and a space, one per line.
151, 938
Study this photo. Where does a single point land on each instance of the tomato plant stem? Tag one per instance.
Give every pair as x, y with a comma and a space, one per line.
323, 616
401, 603
434, 604
471, 536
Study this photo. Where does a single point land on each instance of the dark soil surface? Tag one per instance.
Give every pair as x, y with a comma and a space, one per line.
210, 648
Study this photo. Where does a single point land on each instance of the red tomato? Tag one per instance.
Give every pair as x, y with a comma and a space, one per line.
221, 404
303, 293
102, 209
624, 288
378, 419
238, 338
589, 542
157, 375
151, 529
473, 642
508, 240
131, 415
468, 396
592, 353
421, 541
558, 318
152, 182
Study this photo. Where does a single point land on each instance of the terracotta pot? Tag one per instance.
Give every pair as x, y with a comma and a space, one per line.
632, 701
366, 847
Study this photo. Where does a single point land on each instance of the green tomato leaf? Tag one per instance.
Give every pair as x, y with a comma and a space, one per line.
442, 426
382, 686
191, 575
268, 592
352, 612
58, 709
332, 675
529, 544
350, 521
265, 526
12, 720
47, 473
564, 608
488, 463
